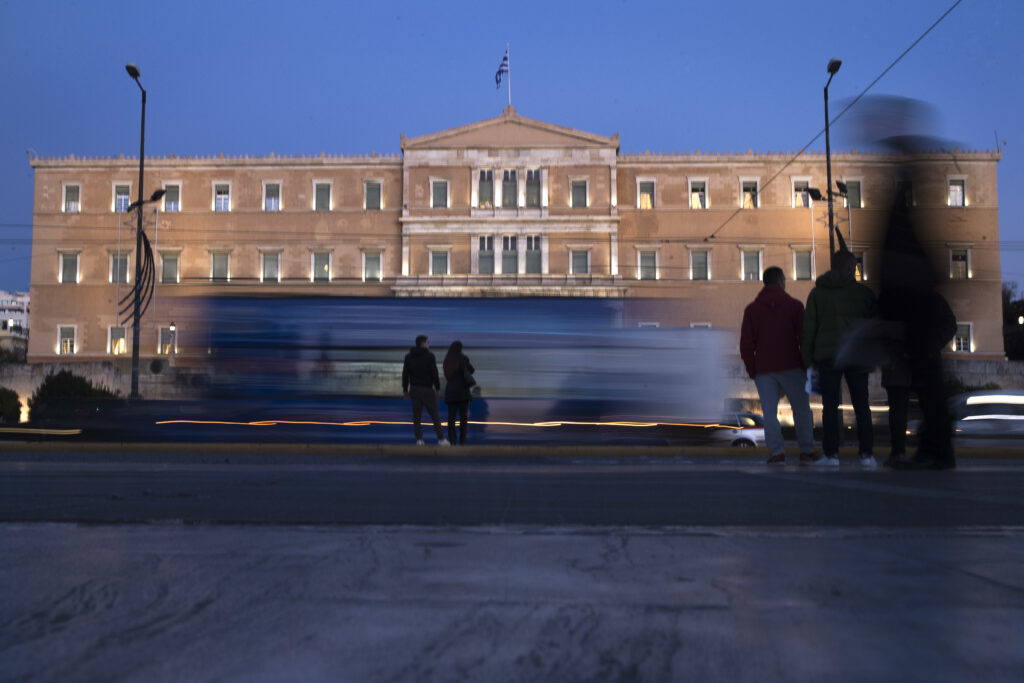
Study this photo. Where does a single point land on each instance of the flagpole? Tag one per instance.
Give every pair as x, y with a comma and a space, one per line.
507, 45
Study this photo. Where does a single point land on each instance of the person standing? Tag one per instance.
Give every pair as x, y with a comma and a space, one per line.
421, 384
770, 340
457, 373
833, 306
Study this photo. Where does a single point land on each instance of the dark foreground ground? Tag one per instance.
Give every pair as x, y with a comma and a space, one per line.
278, 564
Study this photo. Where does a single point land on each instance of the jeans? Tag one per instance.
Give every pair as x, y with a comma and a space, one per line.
770, 385
459, 409
424, 397
831, 393
899, 400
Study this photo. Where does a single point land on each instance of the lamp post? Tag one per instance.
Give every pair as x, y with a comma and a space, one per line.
174, 341
833, 67
815, 195
133, 71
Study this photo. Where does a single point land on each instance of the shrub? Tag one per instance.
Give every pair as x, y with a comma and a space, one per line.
955, 386
10, 406
60, 394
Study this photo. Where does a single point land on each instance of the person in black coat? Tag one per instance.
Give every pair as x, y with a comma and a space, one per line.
458, 373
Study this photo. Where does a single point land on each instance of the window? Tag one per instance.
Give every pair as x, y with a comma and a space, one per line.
72, 199
533, 188
645, 194
117, 341
271, 196
222, 197
119, 268
485, 190
371, 194
320, 266
962, 341
509, 189
172, 198
168, 341
439, 194
853, 200
66, 339
860, 274
802, 264
748, 194
801, 197
509, 254
321, 196
169, 269
122, 197
371, 266
698, 194
647, 265
700, 265
956, 193
751, 264
438, 262
579, 262
485, 256
579, 194
533, 254
959, 264
270, 266
220, 266
69, 268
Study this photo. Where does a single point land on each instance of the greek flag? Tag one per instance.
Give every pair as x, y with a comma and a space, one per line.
503, 69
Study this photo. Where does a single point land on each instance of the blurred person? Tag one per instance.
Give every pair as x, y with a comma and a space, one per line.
458, 374
836, 303
421, 384
770, 340
926, 323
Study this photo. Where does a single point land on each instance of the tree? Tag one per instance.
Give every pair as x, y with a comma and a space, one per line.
10, 406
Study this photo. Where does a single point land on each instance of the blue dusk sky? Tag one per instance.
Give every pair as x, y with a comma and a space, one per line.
351, 77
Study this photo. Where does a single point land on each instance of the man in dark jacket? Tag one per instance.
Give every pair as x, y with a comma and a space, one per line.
421, 384
833, 306
770, 346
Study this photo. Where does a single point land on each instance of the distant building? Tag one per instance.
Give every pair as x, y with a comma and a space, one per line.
508, 206
14, 310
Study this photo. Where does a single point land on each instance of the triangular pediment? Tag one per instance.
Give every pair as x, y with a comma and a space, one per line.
509, 131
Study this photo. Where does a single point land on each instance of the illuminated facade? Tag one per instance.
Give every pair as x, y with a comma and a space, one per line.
508, 206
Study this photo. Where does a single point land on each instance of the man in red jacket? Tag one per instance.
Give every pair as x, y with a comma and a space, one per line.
770, 341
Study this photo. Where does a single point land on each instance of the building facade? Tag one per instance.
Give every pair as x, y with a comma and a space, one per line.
508, 206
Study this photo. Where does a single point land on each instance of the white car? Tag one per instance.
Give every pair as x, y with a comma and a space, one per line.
743, 430
988, 414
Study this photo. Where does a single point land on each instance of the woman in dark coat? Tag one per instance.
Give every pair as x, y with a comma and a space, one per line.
457, 372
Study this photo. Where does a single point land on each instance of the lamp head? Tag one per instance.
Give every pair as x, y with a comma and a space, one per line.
132, 70
157, 195
833, 66
173, 328
842, 187
815, 193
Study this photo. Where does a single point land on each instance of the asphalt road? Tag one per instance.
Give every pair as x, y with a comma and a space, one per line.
289, 565
497, 490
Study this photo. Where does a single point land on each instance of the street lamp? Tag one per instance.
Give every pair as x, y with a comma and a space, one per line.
133, 71
845, 194
833, 67
174, 341
815, 195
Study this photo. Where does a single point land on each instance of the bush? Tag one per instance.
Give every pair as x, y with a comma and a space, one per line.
62, 393
955, 386
10, 406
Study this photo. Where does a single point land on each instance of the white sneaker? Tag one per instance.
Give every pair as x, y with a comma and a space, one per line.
825, 461
868, 462
419, 442
444, 442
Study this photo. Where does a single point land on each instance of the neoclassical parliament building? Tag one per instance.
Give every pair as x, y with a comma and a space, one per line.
508, 206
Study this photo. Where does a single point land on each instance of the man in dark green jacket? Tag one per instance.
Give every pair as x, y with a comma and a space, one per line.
837, 302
